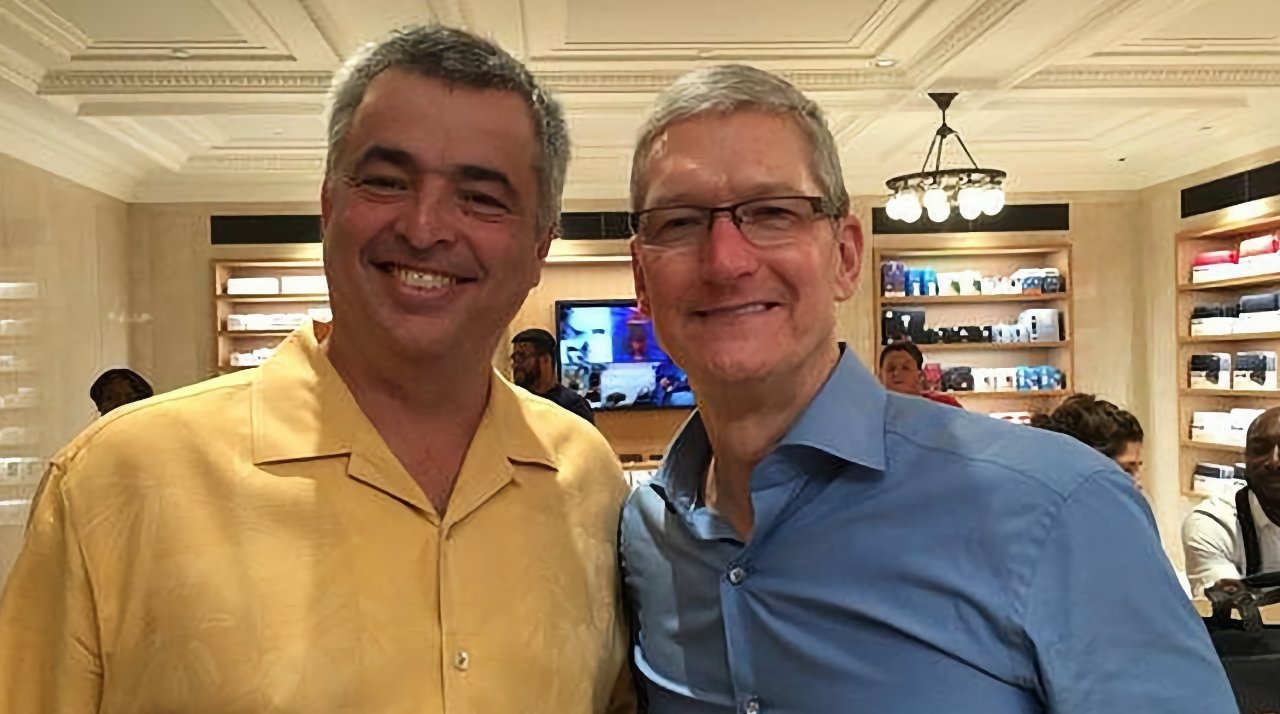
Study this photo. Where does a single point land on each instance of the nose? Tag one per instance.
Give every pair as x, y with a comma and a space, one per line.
426, 219
728, 255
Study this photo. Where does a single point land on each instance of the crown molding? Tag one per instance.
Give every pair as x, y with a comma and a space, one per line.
19, 70
44, 26
1154, 76
193, 81
311, 164
63, 156
656, 81
167, 187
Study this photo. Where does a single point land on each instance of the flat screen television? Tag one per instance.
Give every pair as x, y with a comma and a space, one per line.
610, 355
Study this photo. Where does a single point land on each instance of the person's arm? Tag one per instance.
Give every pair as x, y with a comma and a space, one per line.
1207, 546
583, 409
1110, 626
49, 643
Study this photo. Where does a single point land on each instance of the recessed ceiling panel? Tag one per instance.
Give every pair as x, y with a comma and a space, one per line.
147, 20
1224, 20
680, 22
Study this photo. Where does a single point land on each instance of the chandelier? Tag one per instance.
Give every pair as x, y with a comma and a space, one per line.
974, 191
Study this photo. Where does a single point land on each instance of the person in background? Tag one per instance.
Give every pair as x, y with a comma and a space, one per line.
373, 520
902, 371
533, 366
1112, 431
115, 388
1224, 539
813, 543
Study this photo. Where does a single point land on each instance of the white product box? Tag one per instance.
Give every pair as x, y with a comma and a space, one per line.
1218, 271
1253, 322
253, 286
1206, 326
1211, 427
1264, 264
1255, 370
1216, 487
1240, 421
303, 285
320, 314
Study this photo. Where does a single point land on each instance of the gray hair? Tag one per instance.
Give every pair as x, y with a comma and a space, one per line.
731, 88
457, 58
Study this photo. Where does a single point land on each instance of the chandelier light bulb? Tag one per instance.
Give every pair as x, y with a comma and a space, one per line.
939, 212
910, 210
971, 201
993, 200
893, 208
935, 197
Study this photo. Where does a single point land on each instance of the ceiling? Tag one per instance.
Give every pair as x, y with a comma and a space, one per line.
223, 100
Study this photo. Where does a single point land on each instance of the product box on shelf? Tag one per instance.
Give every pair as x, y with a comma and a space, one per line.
898, 324
1259, 313
1217, 480
303, 285
1215, 265
253, 286
19, 291
1218, 319
1042, 324
1211, 427
893, 278
1255, 370
1209, 371
1260, 255
1240, 421
899, 280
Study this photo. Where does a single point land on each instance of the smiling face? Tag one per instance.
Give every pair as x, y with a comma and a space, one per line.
431, 240
727, 310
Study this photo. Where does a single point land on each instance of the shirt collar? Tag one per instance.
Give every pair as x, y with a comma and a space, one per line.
846, 419
1260, 519
302, 409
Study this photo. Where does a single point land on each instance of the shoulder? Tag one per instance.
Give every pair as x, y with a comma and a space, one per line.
176, 419
989, 452
1211, 517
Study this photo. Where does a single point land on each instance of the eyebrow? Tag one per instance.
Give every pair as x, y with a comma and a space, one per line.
464, 172
762, 190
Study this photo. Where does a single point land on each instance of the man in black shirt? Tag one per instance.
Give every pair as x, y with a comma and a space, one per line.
533, 366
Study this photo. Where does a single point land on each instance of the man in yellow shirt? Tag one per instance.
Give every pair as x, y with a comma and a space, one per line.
368, 522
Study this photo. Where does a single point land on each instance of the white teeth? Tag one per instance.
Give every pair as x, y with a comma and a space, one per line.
743, 310
419, 279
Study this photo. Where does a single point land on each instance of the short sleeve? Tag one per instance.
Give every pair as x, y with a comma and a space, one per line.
1207, 547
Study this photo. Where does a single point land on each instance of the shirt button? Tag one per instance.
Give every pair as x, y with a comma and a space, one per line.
736, 576
752, 706
462, 661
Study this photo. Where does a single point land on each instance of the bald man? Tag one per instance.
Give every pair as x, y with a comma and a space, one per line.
1227, 539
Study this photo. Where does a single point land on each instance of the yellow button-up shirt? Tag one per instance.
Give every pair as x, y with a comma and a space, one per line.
250, 544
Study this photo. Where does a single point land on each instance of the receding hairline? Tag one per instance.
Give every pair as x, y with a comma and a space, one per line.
653, 139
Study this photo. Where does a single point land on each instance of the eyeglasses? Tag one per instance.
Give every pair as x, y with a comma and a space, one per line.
765, 222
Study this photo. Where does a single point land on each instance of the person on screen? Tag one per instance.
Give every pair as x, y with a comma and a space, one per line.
814, 543
533, 366
374, 520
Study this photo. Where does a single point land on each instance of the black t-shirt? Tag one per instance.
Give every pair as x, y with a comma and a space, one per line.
570, 400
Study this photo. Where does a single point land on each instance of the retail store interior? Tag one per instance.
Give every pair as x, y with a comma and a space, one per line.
161, 160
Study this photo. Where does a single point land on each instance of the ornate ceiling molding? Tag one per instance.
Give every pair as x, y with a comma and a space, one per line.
656, 81
255, 163
117, 82
1154, 76
193, 81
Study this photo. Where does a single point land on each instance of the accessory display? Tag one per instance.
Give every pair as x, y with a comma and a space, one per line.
1258, 255
1255, 370
1209, 371
899, 280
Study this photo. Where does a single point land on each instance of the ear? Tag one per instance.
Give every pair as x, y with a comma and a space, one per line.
637, 275
326, 205
848, 256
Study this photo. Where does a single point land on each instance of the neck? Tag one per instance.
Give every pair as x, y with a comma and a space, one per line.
545, 382
405, 397
746, 420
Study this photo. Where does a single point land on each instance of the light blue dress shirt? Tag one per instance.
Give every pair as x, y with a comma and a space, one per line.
911, 558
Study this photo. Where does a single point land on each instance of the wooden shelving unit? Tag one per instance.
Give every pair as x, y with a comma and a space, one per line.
1190, 295
957, 310
229, 341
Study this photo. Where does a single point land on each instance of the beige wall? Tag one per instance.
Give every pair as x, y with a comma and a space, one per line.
71, 242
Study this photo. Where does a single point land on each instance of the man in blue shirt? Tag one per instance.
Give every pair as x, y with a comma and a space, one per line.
814, 544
